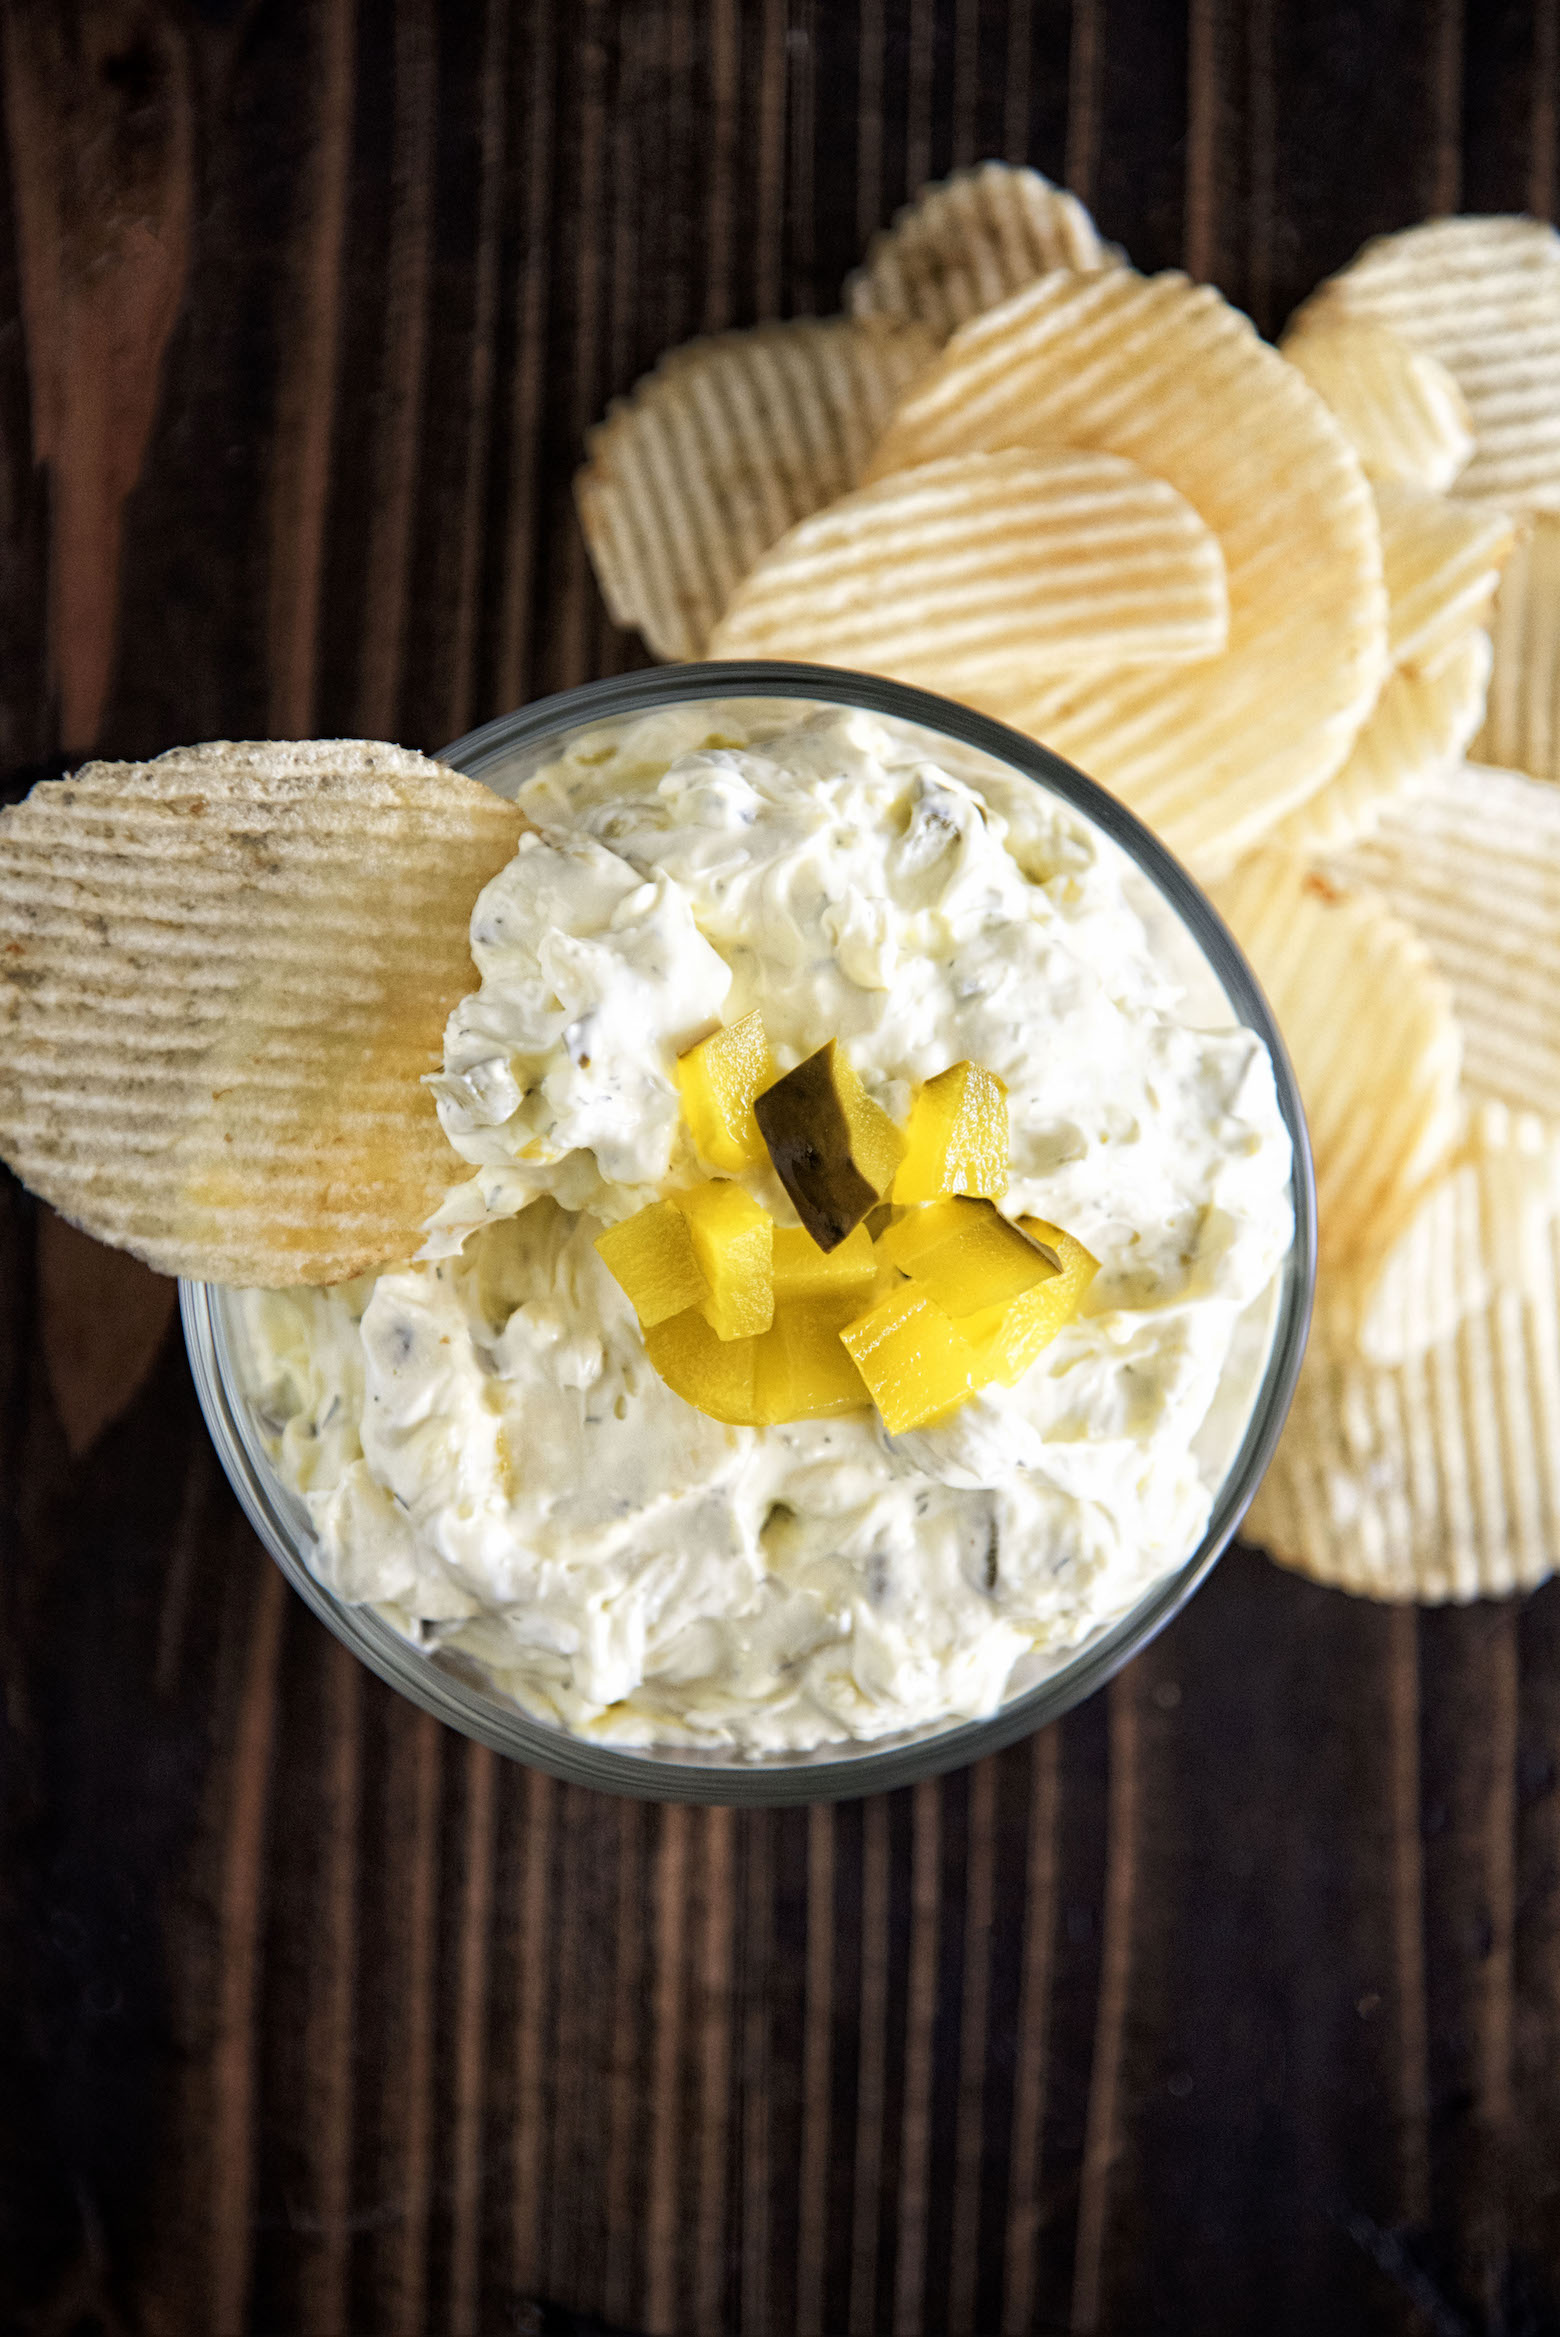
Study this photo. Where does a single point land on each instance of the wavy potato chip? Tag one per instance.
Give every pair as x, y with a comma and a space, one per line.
222, 978
1442, 562
1482, 1225
728, 443
1429, 1279
972, 574
1420, 725
1438, 1477
970, 242
1473, 862
1400, 410
1167, 374
1369, 1028
1522, 723
1483, 296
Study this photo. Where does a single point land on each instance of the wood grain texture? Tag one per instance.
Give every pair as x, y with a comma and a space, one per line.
92, 1378
1231, 2003
100, 134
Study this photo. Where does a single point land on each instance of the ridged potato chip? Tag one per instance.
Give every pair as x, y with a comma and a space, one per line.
1438, 1477
1442, 562
222, 978
1473, 862
973, 574
1369, 1028
1483, 296
1430, 1278
728, 443
1522, 725
969, 242
1400, 410
1482, 1225
1167, 374
1420, 725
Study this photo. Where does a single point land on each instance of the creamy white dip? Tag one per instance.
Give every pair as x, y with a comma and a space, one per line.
483, 1447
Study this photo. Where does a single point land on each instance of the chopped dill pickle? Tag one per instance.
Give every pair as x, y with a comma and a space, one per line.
914, 1231
802, 1270
966, 1255
912, 1358
803, 1371
733, 1242
651, 1255
957, 1141
715, 1375
834, 1150
1004, 1340
718, 1080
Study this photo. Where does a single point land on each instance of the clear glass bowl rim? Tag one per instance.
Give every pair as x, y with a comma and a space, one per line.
779, 1781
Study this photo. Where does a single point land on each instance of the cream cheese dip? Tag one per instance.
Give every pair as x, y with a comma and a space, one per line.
484, 1449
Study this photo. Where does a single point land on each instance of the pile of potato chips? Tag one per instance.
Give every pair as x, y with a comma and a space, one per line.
1274, 599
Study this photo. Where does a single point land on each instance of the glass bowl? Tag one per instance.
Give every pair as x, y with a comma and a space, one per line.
503, 754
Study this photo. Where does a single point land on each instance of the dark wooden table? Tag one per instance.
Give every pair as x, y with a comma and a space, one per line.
1231, 2004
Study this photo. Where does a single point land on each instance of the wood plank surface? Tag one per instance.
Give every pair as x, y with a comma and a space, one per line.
1231, 2003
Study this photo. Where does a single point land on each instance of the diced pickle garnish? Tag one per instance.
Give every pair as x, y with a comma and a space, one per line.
803, 1371
714, 1375
910, 1233
796, 1370
966, 1255
902, 1286
733, 1242
957, 1141
912, 1357
718, 1080
1005, 1340
834, 1149
802, 1270
651, 1255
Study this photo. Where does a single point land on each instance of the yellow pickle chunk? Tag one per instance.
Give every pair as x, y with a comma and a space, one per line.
651, 1255
834, 1149
715, 1375
1004, 1340
718, 1080
803, 1370
802, 1270
966, 1255
910, 1233
914, 1360
733, 1242
957, 1138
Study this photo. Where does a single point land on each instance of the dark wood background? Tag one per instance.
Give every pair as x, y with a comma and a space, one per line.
1231, 2004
